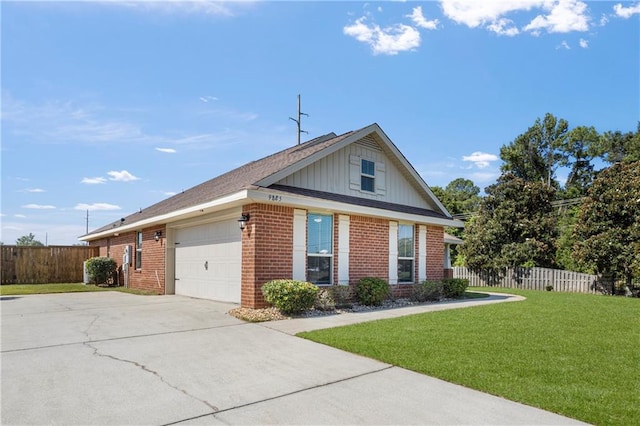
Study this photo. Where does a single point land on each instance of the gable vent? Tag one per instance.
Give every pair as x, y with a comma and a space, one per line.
369, 142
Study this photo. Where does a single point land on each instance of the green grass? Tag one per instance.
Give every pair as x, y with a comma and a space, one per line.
573, 354
20, 289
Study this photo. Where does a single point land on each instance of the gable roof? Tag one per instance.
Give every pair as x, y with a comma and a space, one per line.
267, 171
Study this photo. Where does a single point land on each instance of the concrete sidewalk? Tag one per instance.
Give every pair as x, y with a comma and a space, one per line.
297, 325
111, 358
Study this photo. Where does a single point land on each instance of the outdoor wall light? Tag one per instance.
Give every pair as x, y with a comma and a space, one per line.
242, 222
157, 235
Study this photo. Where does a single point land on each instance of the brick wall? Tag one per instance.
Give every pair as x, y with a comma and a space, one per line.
435, 252
368, 248
267, 245
151, 275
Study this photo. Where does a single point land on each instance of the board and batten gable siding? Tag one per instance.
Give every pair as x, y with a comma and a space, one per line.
333, 174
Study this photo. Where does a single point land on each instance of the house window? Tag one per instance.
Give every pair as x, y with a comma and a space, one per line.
319, 248
367, 175
405, 253
139, 250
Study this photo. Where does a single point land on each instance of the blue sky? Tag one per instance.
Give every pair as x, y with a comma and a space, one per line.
113, 106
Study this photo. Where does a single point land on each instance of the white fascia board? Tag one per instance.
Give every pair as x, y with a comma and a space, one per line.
208, 207
310, 203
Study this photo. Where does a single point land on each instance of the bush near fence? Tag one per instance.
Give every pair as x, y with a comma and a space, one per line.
42, 265
532, 279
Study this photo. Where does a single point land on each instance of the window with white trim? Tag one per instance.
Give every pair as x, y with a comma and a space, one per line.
406, 257
139, 250
367, 175
319, 248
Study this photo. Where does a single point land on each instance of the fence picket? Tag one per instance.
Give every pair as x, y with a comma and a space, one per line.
531, 279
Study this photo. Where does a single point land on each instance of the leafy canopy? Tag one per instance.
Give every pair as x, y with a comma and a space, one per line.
607, 232
28, 240
514, 227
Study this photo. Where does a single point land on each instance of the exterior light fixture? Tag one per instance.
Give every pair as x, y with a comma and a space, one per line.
242, 222
157, 235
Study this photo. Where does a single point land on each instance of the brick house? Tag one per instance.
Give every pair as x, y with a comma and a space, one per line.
330, 211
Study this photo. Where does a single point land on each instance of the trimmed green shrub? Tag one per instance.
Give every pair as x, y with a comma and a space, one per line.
290, 296
372, 291
324, 300
100, 269
427, 291
342, 296
454, 288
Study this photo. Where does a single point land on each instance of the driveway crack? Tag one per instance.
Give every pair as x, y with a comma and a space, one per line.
153, 372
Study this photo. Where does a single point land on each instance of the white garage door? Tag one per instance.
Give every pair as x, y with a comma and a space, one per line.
208, 261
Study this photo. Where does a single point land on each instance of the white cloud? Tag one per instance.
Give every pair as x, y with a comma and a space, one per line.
564, 16
418, 18
96, 206
475, 14
480, 159
21, 216
563, 45
34, 190
38, 206
560, 16
387, 41
170, 193
503, 26
122, 176
584, 43
188, 7
207, 99
626, 12
167, 150
93, 181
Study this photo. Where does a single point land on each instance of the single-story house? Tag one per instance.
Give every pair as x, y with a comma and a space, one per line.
329, 211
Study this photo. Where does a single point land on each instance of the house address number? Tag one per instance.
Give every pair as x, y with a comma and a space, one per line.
275, 197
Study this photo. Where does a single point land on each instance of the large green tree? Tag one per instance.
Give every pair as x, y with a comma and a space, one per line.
607, 233
580, 148
514, 227
536, 154
616, 146
28, 240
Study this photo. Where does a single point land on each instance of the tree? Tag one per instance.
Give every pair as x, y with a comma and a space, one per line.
514, 227
28, 240
536, 154
608, 230
580, 147
616, 146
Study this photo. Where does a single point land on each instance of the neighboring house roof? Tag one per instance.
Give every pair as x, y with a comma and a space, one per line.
450, 239
265, 172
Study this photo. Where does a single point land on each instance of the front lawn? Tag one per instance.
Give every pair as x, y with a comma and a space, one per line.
573, 354
20, 289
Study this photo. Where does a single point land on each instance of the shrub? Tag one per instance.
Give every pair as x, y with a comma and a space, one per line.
324, 300
100, 269
342, 296
454, 288
549, 287
290, 296
427, 291
372, 291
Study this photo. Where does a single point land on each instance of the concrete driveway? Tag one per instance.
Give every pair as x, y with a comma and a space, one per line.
114, 358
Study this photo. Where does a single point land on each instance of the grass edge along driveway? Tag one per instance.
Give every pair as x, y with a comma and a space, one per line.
573, 354
22, 289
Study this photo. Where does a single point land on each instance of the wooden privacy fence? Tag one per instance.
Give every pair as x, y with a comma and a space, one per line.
41, 265
532, 279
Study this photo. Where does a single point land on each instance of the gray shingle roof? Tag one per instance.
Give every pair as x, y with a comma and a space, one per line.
244, 177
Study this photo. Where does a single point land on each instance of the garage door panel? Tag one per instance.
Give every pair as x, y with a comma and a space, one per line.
208, 261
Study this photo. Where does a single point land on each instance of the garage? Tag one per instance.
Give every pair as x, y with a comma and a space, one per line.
208, 261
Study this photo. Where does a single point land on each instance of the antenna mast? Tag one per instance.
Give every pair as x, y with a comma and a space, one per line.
298, 120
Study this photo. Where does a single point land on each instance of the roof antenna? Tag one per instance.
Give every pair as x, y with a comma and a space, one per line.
298, 120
